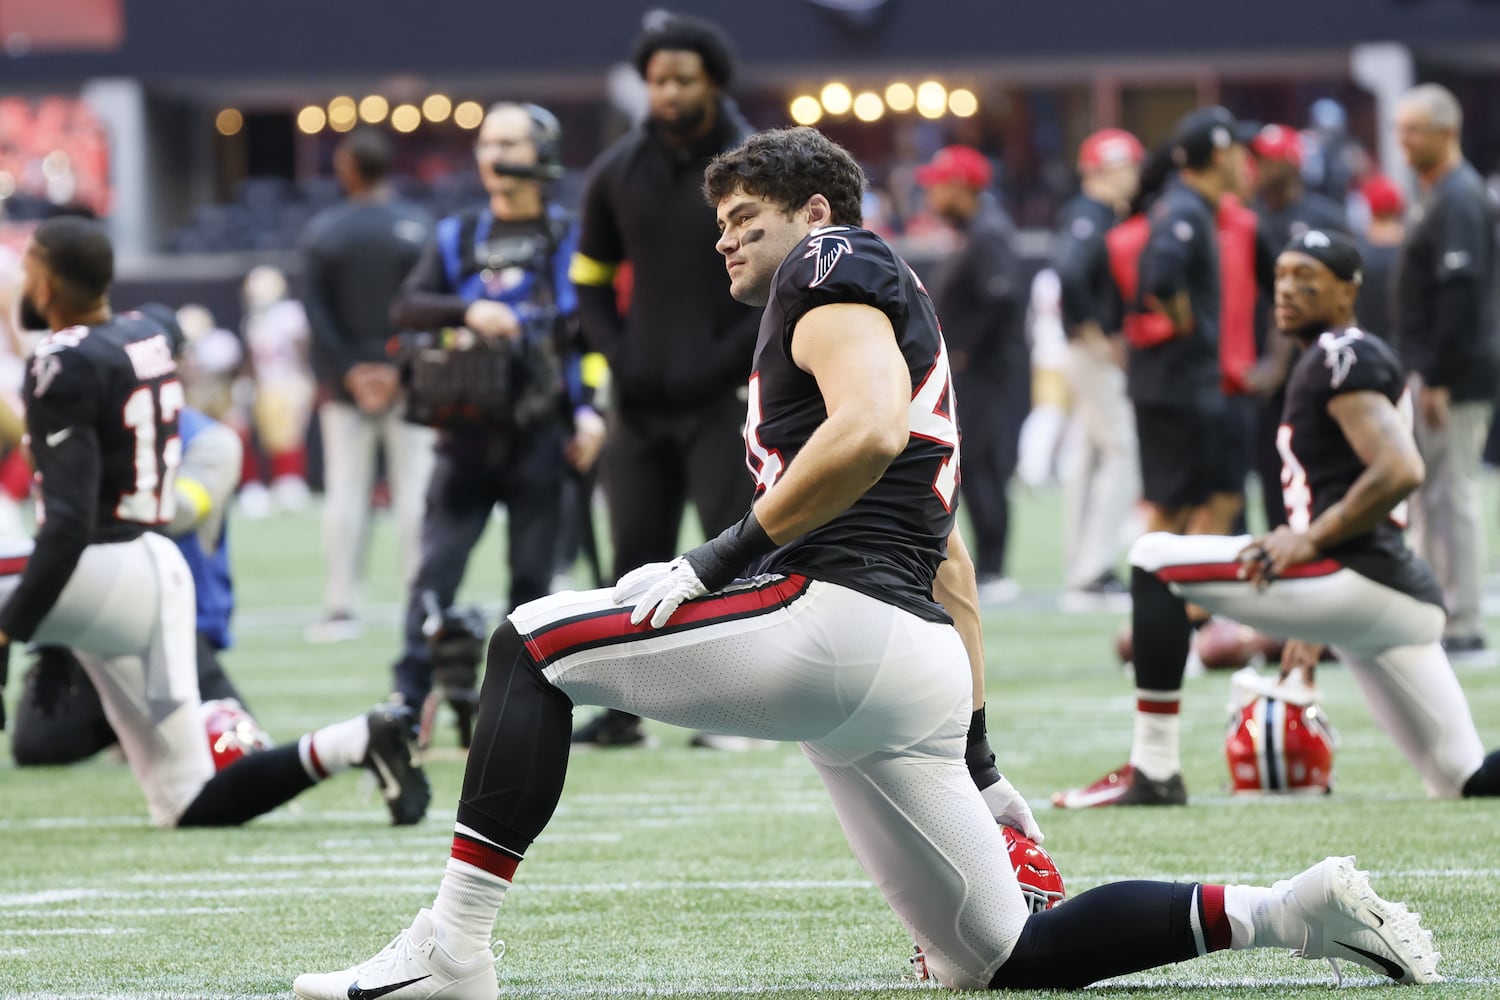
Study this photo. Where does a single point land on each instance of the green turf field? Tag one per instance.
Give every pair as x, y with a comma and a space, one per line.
685, 873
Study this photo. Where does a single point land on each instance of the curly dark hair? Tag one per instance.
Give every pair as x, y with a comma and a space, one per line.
682, 33
787, 166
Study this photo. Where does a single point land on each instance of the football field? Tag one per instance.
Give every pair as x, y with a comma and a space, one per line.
688, 873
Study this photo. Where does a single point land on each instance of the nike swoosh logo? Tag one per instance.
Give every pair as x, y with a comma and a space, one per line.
1391, 968
392, 790
357, 993
58, 437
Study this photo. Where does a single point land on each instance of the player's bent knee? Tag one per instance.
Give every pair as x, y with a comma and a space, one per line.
508, 654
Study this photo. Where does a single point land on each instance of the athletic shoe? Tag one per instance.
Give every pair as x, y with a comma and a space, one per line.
1124, 786
1469, 651
340, 626
729, 744
412, 967
1106, 592
1346, 920
393, 758
997, 590
612, 728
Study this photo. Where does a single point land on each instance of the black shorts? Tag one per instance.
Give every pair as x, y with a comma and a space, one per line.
1189, 453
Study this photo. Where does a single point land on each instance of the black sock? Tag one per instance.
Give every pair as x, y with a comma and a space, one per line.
978, 755
1160, 633
519, 757
1115, 929
1486, 780
254, 784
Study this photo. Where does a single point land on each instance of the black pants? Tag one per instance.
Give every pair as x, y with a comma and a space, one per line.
655, 462
990, 415
77, 729
470, 475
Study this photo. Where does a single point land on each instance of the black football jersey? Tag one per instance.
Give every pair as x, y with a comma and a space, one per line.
890, 542
101, 418
1319, 466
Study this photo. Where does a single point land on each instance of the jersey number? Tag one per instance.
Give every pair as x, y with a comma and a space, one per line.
1295, 493
153, 500
929, 417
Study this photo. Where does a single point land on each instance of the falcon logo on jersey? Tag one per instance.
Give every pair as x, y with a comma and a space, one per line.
1338, 355
44, 369
828, 249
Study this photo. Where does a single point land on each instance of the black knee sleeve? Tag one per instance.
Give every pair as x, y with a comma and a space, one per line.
519, 757
1160, 633
1113, 930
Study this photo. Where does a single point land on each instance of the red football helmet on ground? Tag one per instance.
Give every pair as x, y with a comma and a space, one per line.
232, 733
1041, 883
1278, 739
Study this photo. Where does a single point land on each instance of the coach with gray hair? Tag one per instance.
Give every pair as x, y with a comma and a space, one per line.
1449, 338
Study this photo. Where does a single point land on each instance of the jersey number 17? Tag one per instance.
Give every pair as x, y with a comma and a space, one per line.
150, 414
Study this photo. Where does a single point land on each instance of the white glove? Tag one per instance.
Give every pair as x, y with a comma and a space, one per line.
663, 586
1009, 808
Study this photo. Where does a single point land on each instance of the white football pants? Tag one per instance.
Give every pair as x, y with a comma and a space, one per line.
879, 701
1388, 639
129, 613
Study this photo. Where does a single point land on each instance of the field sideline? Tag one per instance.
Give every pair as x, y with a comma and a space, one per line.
685, 873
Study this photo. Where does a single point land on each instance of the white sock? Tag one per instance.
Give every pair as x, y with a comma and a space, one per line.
1247, 906
335, 748
1155, 749
465, 909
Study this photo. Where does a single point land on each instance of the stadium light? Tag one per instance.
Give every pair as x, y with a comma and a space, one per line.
962, 102
229, 121
836, 98
311, 119
406, 117
468, 114
437, 108
373, 109
342, 114
806, 110
932, 99
899, 97
868, 107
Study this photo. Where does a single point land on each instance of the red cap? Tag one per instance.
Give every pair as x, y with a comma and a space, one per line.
957, 164
1383, 196
1109, 147
1278, 142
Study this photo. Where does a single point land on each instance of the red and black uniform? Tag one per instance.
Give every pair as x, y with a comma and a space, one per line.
101, 415
889, 543
1319, 467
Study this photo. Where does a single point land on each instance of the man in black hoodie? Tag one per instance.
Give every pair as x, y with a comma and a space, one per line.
680, 355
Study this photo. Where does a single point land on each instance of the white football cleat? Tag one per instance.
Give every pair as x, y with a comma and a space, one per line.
412, 967
1347, 920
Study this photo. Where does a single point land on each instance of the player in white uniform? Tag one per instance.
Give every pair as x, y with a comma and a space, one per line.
102, 402
833, 641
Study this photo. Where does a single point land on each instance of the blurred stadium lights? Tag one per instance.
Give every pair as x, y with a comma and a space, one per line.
836, 98
311, 119
932, 99
962, 102
899, 97
437, 108
868, 106
343, 113
406, 117
229, 121
373, 109
468, 114
806, 110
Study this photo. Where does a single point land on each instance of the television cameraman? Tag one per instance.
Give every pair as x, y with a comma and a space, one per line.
492, 295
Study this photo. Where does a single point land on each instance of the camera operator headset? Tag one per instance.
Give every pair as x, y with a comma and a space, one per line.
492, 287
